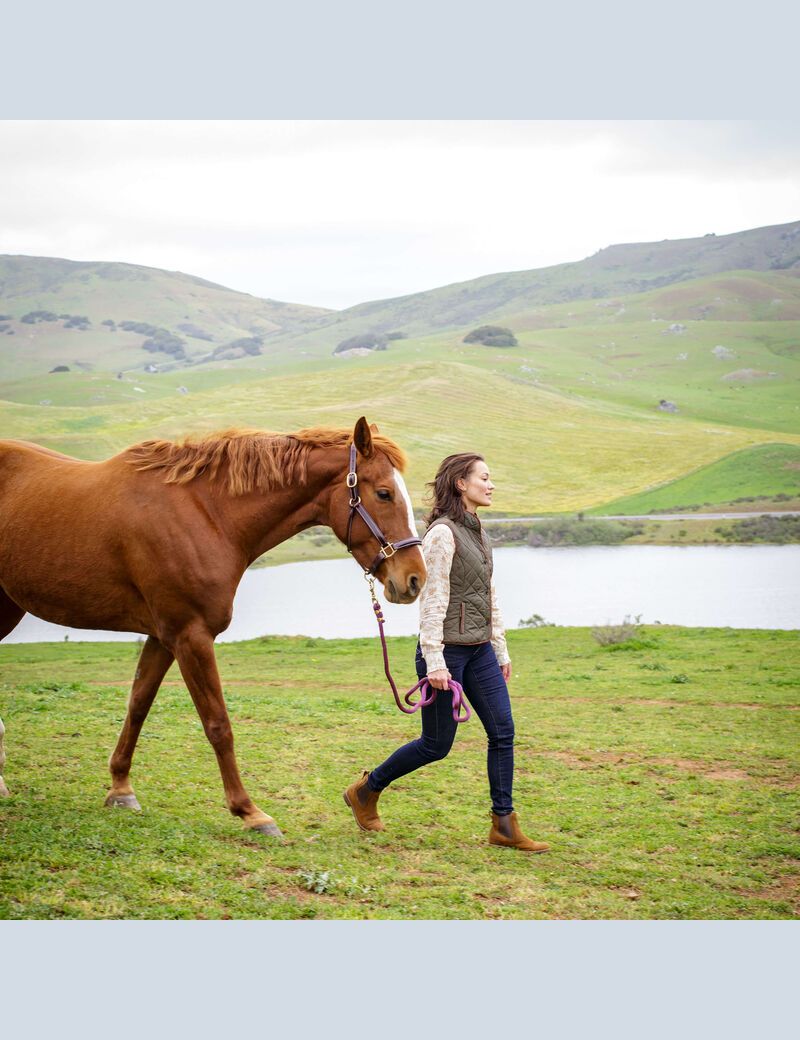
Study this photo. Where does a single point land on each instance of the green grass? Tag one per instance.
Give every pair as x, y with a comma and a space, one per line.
765, 469
548, 452
568, 420
664, 775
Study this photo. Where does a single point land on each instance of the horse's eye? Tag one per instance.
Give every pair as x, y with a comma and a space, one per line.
384, 496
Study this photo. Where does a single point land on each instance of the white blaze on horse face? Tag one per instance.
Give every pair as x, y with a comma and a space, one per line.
403, 490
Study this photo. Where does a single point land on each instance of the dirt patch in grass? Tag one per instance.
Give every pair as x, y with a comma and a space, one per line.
783, 890
707, 770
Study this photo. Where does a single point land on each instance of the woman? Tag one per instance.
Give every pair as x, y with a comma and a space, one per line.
461, 638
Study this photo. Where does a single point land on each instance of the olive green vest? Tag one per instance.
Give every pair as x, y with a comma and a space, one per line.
469, 612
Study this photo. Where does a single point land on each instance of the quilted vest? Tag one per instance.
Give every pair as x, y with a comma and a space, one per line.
469, 613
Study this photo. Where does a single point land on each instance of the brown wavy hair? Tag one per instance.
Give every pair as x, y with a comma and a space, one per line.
444, 496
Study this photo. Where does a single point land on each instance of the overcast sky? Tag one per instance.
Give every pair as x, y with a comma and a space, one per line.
336, 213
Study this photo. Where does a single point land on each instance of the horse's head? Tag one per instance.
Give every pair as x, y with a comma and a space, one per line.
382, 493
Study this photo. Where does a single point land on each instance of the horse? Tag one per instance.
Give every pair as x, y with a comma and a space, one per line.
156, 539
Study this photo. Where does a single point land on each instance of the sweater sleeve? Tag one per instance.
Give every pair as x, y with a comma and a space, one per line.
438, 550
498, 631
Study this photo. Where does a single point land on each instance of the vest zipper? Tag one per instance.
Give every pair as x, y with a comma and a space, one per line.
461, 620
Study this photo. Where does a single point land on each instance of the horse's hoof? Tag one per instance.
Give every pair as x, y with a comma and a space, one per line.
4, 792
123, 801
272, 830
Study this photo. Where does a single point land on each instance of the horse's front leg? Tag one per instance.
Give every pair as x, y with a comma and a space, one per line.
194, 650
154, 662
3, 788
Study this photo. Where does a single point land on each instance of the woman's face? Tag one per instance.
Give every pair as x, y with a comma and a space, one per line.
476, 489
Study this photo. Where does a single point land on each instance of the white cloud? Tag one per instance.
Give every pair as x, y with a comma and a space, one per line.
334, 213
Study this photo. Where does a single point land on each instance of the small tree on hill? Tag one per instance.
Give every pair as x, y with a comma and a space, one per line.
491, 336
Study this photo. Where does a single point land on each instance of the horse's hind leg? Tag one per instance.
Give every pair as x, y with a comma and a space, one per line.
154, 662
194, 649
10, 617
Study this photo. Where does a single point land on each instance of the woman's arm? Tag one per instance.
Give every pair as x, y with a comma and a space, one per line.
438, 550
499, 633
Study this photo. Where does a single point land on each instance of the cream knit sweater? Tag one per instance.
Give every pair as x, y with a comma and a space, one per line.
438, 549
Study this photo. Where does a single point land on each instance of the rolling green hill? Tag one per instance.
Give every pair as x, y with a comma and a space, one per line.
548, 452
202, 315
619, 269
569, 418
763, 470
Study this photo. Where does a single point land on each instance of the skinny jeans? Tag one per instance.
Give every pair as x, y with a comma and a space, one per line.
476, 668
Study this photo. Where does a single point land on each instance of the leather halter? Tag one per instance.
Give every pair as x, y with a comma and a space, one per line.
388, 549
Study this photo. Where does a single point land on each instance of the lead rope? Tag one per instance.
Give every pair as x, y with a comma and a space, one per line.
427, 693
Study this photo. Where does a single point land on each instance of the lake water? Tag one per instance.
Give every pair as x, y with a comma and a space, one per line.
734, 586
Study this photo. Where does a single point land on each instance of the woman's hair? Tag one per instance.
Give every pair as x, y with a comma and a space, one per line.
444, 496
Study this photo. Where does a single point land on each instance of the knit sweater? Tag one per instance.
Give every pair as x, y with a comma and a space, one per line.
438, 549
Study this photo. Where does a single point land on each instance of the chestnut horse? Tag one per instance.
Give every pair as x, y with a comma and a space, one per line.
156, 539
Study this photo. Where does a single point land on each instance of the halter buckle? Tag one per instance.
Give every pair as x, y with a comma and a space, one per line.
351, 483
388, 551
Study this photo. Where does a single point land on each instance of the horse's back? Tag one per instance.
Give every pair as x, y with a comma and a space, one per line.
14, 447
20, 460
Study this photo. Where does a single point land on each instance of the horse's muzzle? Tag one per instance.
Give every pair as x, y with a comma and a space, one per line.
395, 594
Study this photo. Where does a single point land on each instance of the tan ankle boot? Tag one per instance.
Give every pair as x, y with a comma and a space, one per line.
507, 831
363, 801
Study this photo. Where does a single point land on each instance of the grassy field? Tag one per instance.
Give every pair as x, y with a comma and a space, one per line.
548, 452
664, 773
767, 469
568, 419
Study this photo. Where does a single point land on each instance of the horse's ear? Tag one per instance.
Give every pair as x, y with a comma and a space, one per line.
362, 438
374, 427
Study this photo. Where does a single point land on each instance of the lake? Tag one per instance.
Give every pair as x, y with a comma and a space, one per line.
728, 586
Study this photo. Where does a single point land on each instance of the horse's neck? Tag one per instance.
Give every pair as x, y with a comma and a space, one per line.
266, 519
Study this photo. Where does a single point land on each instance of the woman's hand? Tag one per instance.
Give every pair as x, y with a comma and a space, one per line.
439, 679
505, 671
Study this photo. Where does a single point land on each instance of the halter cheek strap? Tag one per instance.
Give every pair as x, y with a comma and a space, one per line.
388, 549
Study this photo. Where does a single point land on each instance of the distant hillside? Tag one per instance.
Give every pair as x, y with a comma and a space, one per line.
115, 316
201, 317
616, 270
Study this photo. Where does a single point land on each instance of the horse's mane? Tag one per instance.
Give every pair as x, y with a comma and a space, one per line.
256, 460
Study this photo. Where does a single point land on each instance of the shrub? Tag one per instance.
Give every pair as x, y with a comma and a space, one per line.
195, 331
535, 621
326, 882
503, 534
491, 336
572, 531
110, 322
165, 342
32, 317
364, 341
239, 347
611, 635
142, 327
76, 321
775, 530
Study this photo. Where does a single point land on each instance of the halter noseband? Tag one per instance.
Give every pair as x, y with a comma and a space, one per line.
388, 549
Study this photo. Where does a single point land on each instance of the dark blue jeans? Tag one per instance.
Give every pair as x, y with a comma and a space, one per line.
476, 668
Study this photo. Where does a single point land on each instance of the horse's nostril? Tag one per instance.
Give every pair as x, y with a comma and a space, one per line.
413, 584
